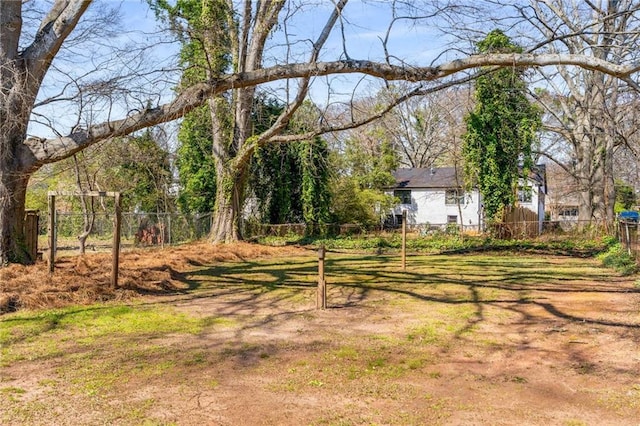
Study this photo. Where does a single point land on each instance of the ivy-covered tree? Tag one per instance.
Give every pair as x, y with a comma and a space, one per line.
501, 130
275, 181
196, 171
290, 181
273, 177
217, 39
315, 194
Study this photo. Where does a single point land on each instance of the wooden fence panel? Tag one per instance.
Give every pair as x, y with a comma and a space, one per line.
519, 222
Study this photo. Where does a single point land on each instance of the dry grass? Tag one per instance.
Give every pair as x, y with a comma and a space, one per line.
82, 280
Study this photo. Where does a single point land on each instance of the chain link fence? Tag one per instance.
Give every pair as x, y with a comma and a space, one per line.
138, 230
627, 232
160, 229
507, 230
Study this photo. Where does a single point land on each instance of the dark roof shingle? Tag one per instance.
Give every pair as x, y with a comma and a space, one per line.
445, 177
441, 177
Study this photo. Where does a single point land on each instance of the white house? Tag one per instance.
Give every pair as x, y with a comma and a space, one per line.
435, 196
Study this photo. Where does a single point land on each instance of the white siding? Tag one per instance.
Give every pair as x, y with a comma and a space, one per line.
428, 206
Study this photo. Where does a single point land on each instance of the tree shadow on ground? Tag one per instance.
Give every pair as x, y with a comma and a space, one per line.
539, 297
479, 281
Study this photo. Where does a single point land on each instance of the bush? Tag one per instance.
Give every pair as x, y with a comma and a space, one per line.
618, 258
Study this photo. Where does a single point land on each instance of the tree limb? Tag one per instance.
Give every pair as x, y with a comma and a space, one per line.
54, 29
40, 151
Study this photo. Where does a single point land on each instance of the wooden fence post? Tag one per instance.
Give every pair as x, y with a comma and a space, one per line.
116, 240
31, 233
404, 240
321, 295
52, 232
169, 228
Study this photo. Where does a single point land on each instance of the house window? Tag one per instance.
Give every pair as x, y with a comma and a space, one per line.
525, 194
454, 197
452, 220
570, 212
404, 195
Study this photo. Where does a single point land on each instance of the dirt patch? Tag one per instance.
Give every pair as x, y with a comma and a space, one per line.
454, 340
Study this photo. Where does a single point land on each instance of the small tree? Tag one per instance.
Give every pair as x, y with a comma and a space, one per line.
501, 130
363, 173
625, 196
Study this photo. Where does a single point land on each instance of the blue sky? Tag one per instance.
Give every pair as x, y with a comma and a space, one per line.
365, 26
367, 23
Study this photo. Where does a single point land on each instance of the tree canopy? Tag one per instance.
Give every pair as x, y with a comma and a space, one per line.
38, 40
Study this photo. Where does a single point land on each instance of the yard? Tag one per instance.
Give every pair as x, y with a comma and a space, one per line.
210, 335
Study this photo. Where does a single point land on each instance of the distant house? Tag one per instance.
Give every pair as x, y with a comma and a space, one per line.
563, 195
435, 196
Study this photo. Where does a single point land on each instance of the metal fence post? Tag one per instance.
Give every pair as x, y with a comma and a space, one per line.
321, 295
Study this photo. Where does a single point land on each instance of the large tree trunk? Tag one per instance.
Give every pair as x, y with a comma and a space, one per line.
595, 176
598, 141
225, 222
15, 108
231, 147
594, 154
230, 198
13, 189
583, 176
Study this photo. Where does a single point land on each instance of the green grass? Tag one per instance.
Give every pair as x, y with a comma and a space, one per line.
94, 322
443, 242
46, 334
95, 349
